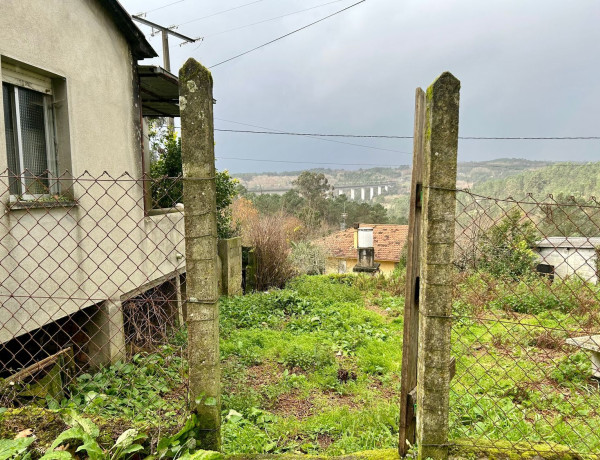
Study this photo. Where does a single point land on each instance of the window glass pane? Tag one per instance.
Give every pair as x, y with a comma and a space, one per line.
33, 135
11, 144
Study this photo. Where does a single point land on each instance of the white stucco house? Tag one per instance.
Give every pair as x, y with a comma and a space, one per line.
570, 256
74, 98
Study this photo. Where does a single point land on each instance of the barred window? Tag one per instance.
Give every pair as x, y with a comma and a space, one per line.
30, 140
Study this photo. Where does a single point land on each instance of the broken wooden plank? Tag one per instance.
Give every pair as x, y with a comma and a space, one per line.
30, 371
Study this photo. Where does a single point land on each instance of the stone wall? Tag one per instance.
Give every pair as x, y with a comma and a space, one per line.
230, 253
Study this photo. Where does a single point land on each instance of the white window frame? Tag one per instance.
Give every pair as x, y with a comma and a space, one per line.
20, 78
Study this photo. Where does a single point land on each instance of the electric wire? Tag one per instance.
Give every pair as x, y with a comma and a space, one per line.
318, 138
286, 35
287, 133
375, 136
272, 19
308, 162
160, 8
219, 12
466, 164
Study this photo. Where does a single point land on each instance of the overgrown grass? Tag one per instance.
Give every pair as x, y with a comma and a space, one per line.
517, 379
315, 367
311, 368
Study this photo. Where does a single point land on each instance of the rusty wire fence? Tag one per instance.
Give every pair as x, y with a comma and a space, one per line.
92, 277
526, 327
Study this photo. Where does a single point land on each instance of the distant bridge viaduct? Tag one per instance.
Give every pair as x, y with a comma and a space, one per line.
355, 192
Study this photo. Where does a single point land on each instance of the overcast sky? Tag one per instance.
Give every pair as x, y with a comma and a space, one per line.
528, 68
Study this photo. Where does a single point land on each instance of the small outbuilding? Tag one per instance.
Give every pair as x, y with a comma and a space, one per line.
570, 256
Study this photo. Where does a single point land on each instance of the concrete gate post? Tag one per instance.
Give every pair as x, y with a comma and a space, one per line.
199, 196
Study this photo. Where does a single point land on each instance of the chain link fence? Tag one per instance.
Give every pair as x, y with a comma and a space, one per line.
526, 324
92, 317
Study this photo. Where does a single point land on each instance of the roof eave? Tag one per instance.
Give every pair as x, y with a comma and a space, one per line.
140, 47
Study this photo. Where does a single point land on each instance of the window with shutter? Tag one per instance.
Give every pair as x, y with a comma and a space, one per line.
30, 134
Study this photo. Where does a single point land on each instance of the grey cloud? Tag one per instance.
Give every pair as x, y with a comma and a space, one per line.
527, 68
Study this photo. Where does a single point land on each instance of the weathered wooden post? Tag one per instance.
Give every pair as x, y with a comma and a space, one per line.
199, 197
437, 251
408, 393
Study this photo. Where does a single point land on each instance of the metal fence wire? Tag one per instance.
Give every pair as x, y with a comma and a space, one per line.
526, 324
92, 277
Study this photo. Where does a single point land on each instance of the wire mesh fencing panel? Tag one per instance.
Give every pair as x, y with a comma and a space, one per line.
92, 317
526, 324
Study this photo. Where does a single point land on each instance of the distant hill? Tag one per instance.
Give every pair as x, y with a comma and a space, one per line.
475, 172
469, 173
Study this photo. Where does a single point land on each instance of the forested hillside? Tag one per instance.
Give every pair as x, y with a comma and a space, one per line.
561, 179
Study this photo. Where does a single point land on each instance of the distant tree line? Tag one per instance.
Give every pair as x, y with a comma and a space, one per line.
312, 201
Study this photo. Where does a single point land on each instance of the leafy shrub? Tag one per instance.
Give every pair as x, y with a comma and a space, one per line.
166, 170
269, 239
308, 258
15, 448
535, 295
327, 289
84, 432
261, 310
249, 433
506, 247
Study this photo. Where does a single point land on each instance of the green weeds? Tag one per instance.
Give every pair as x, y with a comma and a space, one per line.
134, 390
315, 368
305, 368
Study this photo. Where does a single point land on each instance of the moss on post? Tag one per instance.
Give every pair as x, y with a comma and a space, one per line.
437, 248
199, 195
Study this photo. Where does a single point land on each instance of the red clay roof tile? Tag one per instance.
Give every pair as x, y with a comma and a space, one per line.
388, 239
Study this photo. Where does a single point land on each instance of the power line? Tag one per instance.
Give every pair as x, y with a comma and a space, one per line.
219, 12
460, 165
308, 162
272, 19
286, 35
284, 133
343, 143
317, 138
160, 8
374, 136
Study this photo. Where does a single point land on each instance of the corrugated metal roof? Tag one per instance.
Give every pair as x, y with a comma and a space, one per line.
159, 91
579, 242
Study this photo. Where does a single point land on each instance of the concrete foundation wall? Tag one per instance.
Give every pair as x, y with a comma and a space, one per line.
81, 263
230, 253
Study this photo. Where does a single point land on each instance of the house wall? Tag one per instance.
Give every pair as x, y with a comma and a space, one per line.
57, 261
334, 265
77, 40
570, 262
